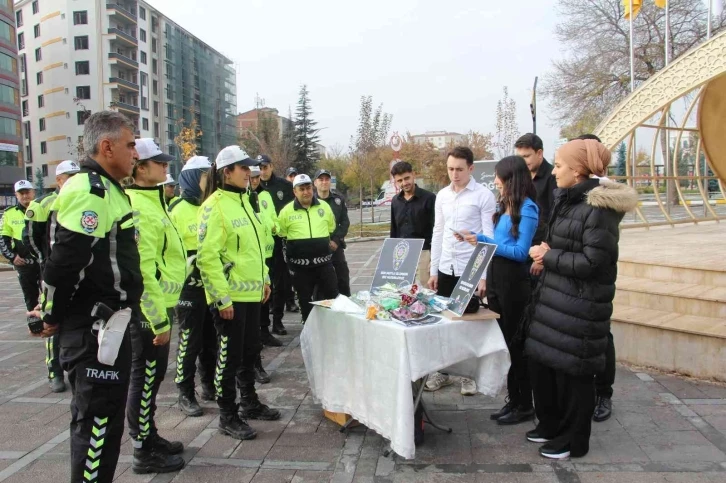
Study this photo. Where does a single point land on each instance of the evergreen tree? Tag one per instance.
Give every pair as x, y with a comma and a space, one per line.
39, 182
620, 167
306, 136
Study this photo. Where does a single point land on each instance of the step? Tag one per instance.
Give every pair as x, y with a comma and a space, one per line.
714, 327
684, 298
671, 271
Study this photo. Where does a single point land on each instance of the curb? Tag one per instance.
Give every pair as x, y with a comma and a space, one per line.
365, 239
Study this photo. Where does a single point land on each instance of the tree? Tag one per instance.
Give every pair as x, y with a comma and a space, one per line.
39, 182
187, 139
620, 167
594, 76
585, 124
306, 136
507, 130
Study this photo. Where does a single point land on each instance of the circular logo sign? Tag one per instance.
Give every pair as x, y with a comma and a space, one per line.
396, 142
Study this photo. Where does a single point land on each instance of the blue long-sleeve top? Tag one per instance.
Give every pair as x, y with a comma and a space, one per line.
507, 246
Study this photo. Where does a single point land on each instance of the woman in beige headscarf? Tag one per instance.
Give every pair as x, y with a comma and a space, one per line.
572, 305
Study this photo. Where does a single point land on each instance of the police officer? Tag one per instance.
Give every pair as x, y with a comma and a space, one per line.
231, 260
291, 173
13, 248
94, 259
197, 336
281, 191
337, 239
36, 237
163, 268
169, 189
306, 224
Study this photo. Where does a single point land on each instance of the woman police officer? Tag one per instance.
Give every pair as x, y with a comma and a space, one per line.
231, 260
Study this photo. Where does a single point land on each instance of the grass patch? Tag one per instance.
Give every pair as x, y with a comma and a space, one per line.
368, 230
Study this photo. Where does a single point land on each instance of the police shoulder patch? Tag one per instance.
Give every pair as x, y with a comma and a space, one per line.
29, 213
280, 195
321, 212
202, 233
264, 204
89, 221
337, 201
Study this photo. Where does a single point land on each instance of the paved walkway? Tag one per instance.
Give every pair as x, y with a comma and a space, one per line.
665, 428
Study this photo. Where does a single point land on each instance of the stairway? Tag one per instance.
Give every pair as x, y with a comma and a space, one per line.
671, 317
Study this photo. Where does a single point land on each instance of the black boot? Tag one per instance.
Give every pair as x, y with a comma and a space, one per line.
188, 404
267, 339
57, 384
251, 408
292, 307
518, 415
503, 412
233, 426
278, 328
261, 375
156, 443
148, 461
603, 409
208, 392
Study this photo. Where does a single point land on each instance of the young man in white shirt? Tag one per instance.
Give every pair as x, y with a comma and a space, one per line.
464, 205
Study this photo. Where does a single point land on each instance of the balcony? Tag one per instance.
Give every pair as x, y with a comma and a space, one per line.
120, 11
126, 108
115, 56
124, 37
123, 83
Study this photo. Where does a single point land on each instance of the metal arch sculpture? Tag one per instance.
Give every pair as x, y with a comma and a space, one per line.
701, 70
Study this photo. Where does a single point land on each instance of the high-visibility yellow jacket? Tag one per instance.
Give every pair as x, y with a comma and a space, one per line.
269, 219
307, 231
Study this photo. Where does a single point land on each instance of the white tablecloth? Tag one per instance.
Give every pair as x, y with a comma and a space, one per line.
365, 368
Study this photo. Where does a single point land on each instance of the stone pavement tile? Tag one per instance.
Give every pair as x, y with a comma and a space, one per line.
304, 453
128, 476
621, 477
620, 447
668, 419
255, 449
678, 446
713, 415
406, 475
439, 447
26, 437
219, 446
716, 391
312, 477
42, 471
503, 448
681, 388
273, 476
456, 420
214, 474
335, 440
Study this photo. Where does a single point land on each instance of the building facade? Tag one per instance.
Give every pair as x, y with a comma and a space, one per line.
82, 56
249, 120
11, 158
440, 139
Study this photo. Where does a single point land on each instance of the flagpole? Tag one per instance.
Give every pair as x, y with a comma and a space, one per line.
710, 13
667, 32
667, 132
632, 86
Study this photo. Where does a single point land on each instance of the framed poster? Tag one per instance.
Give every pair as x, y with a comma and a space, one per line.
398, 262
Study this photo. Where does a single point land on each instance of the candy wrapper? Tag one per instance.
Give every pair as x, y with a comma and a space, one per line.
390, 303
372, 310
402, 313
383, 315
418, 309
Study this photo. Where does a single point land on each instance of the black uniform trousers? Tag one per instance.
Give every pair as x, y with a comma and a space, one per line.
197, 339
605, 380
99, 400
320, 280
148, 369
564, 405
341, 271
265, 308
239, 346
508, 291
29, 278
281, 283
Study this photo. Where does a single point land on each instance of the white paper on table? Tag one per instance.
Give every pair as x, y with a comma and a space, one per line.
346, 305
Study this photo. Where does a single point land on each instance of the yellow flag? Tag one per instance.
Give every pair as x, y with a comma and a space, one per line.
660, 3
636, 7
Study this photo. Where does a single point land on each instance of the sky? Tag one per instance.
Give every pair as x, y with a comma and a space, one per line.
434, 65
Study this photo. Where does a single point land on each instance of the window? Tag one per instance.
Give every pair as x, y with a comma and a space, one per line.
154, 66
36, 9
8, 95
28, 169
8, 63
83, 68
155, 87
9, 126
83, 92
153, 45
26, 109
43, 147
142, 13
156, 129
142, 57
82, 116
144, 103
36, 31
145, 124
7, 32
142, 35
80, 18
23, 87
44, 169
81, 43
156, 108
41, 101
169, 93
39, 77
170, 111
19, 18
38, 55
41, 123
144, 78
22, 62
154, 24
21, 41
170, 127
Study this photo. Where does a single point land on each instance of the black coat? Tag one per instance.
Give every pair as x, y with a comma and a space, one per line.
573, 302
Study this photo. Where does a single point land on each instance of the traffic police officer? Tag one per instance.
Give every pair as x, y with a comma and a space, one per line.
197, 336
163, 269
337, 239
306, 224
169, 189
36, 237
13, 248
281, 191
231, 260
291, 173
94, 259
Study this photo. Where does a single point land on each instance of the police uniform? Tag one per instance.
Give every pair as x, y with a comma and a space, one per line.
11, 244
231, 260
94, 259
307, 233
266, 208
280, 190
163, 269
342, 223
197, 336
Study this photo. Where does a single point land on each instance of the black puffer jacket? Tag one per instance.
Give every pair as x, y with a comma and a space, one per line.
573, 303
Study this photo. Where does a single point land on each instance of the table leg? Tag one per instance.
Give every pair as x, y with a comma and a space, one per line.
418, 387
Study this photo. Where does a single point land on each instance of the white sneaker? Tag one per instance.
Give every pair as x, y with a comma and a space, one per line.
468, 387
437, 381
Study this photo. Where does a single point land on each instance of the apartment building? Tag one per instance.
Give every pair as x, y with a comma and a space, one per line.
440, 139
11, 161
81, 56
